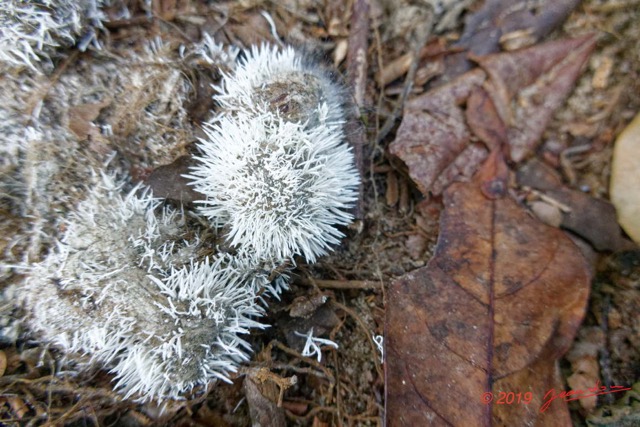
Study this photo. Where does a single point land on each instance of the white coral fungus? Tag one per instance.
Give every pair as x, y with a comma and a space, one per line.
124, 288
280, 188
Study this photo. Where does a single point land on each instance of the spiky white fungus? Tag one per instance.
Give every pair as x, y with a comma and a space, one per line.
379, 341
124, 287
216, 54
29, 29
286, 81
312, 344
280, 188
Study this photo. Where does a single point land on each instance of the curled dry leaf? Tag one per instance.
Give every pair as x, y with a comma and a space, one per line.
508, 23
528, 85
592, 219
512, 97
492, 312
433, 130
167, 181
264, 411
625, 179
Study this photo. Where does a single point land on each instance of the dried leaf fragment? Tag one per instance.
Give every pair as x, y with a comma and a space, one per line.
264, 411
167, 181
3, 363
625, 179
81, 119
510, 23
493, 310
592, 219
528, 85
433, 130
510, 98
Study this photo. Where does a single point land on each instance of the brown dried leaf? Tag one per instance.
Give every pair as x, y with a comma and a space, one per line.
592, 219
504, 22
483, 120
167, 182
433, 130
81, 119
584, 356
264, 411
535, 81
494, 309
513, 101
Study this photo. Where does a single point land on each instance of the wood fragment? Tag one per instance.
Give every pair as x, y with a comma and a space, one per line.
345, 284
392, 189
404, 207
358, 44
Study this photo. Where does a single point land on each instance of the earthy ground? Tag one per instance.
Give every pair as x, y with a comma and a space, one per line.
396, 232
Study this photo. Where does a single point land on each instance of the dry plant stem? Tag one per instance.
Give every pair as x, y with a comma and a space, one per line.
297, 370
343, 284
605, 357
40, 95
408, 81
310, 361
311, 413
564, 208
131, 22
613, 102
336, 364
567, 164
367, 333
357, 81
357, 52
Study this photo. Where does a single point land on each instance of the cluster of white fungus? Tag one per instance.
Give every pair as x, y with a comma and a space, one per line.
133, 285
124, 287
275, 167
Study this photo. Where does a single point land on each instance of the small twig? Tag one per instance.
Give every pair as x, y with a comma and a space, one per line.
550, 200
343, 284
408, 82
41, 95
357, 51
310, 361
605, 357
367, 333
357, 82
567, 164
311, 413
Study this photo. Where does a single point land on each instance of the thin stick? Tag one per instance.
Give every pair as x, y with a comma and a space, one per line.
344, 284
